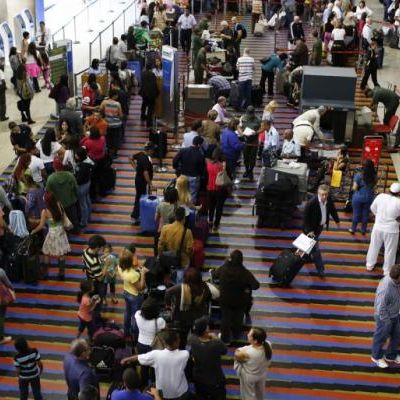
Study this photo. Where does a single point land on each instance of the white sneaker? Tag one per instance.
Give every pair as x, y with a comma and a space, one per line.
370, 268
396, 360
6, 339
381, 363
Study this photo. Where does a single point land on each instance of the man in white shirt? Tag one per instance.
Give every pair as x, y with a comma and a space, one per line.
271, 141
290, 149
43, 37
189, 136
314, 117
186, 22
303, 133
327, 12
37, 168
337, 10
169, 365
219, 107
246, 67
367, 33
386, 208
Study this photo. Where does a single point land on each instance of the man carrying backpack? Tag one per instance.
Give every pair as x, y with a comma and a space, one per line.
239, 33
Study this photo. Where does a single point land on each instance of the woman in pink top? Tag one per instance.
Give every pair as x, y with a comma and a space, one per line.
95, 144
216, 195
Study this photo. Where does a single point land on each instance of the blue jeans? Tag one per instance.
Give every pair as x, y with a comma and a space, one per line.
389, 328
245, 93
133, 304
360, 213
24, 388
85, 203
316, 257
194, 186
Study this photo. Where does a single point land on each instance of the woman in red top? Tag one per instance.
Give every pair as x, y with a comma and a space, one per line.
216, 195
95, 144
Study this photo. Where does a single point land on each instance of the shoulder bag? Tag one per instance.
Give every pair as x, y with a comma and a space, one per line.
158, 342
7, 295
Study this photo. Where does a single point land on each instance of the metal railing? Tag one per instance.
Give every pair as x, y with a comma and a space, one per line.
62, 31
129, 16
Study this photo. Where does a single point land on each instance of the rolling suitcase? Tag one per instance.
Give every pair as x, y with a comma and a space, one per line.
107, 182
256, 96
159, 139
201, 229
198, 254
234, 95
285, 268
31, 269
148, 207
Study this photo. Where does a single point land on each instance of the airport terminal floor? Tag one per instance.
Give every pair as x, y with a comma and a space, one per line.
320, 329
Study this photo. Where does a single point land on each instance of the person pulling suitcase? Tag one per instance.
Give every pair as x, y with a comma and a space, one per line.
316, 216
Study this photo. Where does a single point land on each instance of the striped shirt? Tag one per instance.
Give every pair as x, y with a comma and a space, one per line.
387, 299
245, 66
28, 364
93, 266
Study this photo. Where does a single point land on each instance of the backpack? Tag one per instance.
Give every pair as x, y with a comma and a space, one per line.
244, 31
109, 336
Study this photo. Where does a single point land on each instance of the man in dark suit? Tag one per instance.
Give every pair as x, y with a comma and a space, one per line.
316, 216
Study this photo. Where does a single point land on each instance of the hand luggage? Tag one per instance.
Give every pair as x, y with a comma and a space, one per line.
159, 139
148, 206
31, 269
198, 257
201, 229
102, 358
109, 335
202, 200
259, 29
256, 96
285, 268
107, 181
234, 95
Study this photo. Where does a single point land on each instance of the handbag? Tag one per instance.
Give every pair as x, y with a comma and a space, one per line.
304, 243
7, 295
336, 180
158, 342
223, 179
66, 222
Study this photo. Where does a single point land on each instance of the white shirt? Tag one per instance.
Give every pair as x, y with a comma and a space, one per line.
314, 117
46, 36
290, 147
188, 138
36, 167
187, 22
338, 12
256, 365
2, 76
55, 147
338, 34
360, 11
221, 113
271, 138
246, 67
147, 328
69, 159
322, 206
386, 208
367, 33
169, 367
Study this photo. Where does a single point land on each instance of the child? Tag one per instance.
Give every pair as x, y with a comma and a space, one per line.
46, 70
87, 303
110, 262
29, 367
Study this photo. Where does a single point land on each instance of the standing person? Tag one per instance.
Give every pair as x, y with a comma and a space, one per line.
363, 194
77, 370
56, 242
246, 67
134, 283
149, 93
186, 22
169, 365
200, 64
269, 66
371, 65
3, 308
63, 185
195, 129
74, 117
316, 216
33, 65
158, 73
21, 137
206, 351
211, 132
29, 367
190, 162
232, 147
25, 92
220, 108
43, 37
216, 195
48, 149
338, 45
112, 55
256, 11
60, 93
386, 208
87, 303
25, 43
110, 272
15, 60
235, 283
3, 88
196, 43
386, 314
251, 364
239, 33
316, 51
142, 163
226, 35
296, 31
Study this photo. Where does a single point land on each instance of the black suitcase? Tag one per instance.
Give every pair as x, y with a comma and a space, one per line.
285, 268
108, 179
160, 140
31, 269
256, 96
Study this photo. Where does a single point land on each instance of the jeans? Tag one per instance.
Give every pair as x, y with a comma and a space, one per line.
216, 200
85, 203
231, 322
360, 213
367, 73
133, 304
194, 187
3, 310
389, 328
24, 388
245, 93
210, 392
146, 373
316, 257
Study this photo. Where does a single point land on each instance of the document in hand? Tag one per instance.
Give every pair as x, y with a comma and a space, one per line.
304, 243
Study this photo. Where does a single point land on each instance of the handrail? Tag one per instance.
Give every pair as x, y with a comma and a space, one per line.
71, 20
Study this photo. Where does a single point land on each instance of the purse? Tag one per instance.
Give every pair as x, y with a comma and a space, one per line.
158, 343
223, 179
7, 295
66, 222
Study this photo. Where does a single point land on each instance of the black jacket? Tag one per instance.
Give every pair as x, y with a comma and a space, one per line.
312, 215
190, 161
149, 86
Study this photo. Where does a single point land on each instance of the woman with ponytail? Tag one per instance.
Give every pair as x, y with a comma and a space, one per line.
251, 363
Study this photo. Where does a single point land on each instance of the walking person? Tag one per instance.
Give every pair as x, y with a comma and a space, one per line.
149, 93
363, 195
25, 92
251, 364
386, 208
142, 163
33, 65
371, 65
256, 11
316, 216
56, 242
15, 60
246, 67
29, 367
186, 22
3, 88
386, 314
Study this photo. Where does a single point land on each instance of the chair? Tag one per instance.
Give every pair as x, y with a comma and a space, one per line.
384, 130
